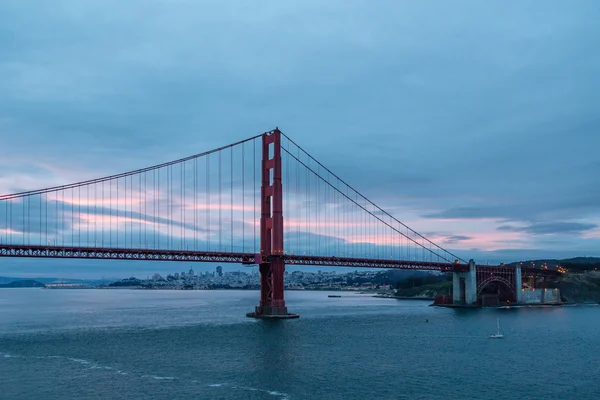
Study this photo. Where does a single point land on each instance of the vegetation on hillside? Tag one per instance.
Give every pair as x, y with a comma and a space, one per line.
576, 264
581, 287
427, 291
426, 285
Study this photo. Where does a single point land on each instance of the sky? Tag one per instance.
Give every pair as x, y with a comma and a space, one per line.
473, 122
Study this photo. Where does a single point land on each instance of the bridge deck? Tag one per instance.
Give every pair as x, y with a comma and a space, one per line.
14, 250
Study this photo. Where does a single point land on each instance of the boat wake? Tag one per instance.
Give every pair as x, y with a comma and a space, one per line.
96, 366
89, 364
160, 378
274, 393
6, 355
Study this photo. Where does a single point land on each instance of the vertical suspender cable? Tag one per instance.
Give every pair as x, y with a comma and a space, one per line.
220, 205
231, 194
78, 217
126, 205
243, 198
131, 212
110, 213
46, 219
139, 201
298, 200
195, 204
117, 212
155, 200
208, 231
183, 201
145, 210
255, 194
29, 220
103, 212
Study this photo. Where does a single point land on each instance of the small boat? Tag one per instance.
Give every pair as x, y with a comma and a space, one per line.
499, 334
334, 295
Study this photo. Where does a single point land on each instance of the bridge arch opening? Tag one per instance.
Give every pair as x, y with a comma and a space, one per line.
496, 290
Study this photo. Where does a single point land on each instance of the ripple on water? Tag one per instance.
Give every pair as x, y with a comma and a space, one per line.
273, 393
92, 365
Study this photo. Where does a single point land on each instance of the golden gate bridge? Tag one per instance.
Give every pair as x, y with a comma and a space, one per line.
227, 205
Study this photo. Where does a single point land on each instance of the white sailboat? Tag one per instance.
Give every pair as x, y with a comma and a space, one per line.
499, 334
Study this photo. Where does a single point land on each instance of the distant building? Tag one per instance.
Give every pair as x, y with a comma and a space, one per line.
191, 273
219, 270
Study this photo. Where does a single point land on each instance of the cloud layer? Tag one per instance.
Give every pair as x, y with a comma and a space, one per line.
474, 121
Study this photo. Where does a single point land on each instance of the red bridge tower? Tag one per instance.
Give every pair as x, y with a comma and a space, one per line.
270, 259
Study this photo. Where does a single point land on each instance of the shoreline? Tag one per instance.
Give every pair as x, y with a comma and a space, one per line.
504, 306
364, 292
383, 296
345, 292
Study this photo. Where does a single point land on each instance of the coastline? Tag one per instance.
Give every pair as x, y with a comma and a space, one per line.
345, 292
384, 296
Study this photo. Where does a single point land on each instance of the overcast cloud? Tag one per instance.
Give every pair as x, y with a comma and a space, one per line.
475, 121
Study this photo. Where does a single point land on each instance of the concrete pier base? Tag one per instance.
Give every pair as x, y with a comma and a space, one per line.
540, 296
271, 313
272, 316
464, 286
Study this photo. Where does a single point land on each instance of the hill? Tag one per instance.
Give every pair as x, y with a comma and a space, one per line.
583, 287
45, 280
581, 284
23, 284
572, 264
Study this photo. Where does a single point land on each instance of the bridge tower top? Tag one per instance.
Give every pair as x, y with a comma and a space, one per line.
271, 221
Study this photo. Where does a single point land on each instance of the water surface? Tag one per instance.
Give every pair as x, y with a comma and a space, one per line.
124, 344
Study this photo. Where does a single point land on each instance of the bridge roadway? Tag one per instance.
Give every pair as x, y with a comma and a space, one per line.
35, 251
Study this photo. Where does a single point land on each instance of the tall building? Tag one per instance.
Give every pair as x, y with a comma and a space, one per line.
219, 270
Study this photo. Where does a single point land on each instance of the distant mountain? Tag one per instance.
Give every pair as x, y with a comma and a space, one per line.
572, 264
27, 283
90, 282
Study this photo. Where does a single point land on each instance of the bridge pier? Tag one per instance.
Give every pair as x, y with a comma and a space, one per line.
518, 284
272, 302
270, 259
464, 286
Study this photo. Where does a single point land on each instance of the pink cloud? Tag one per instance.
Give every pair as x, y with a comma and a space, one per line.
482, 233
225, 206
592, 234
100, 223
323, 223
7, 231
494, 241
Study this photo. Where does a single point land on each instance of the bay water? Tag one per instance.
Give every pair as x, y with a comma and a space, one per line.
150, 344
